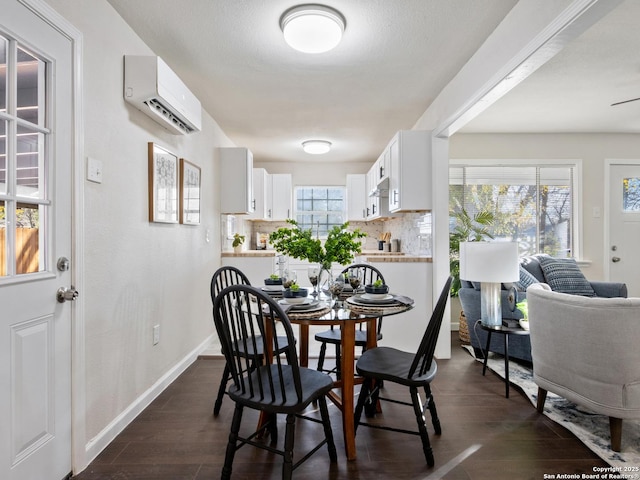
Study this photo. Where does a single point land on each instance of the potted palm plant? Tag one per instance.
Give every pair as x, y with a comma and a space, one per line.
467, 229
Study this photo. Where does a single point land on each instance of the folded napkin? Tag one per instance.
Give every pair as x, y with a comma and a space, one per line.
403, 299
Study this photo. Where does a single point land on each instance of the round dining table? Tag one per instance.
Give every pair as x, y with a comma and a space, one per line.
346, 318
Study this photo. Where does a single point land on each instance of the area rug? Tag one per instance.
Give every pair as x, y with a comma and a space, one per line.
591, 428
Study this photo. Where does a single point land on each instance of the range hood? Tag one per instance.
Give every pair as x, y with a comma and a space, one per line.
380, 190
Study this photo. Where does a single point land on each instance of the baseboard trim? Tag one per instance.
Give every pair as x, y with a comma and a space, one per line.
111, 431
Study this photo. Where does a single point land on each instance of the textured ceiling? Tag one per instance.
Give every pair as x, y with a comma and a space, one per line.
394, 59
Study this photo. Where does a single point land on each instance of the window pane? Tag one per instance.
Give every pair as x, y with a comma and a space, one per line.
28, 239
530, 205
631, 194
3, 240
29, 160
320, 208
30, 88
3, 156
3, 74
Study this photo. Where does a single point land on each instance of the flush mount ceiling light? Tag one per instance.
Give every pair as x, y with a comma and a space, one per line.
312, 28
316, 147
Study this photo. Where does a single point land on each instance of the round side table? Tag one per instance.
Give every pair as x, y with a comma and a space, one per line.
506, 331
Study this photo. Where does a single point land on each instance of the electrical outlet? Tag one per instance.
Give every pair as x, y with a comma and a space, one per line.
156, 334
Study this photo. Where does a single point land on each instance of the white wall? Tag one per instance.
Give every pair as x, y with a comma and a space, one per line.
137, 274
316, 172
591, 148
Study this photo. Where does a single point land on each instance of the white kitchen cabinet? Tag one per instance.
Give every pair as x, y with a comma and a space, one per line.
261, 195
282, 196
357, 197
236, 185
409, 169
377, 202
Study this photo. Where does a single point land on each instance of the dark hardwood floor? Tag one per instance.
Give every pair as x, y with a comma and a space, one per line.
484, 436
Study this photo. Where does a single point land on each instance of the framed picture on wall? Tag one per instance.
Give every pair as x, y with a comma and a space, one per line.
189, 193
163, 185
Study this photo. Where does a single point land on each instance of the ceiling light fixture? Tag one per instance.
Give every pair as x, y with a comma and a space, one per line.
312, 28
316, 147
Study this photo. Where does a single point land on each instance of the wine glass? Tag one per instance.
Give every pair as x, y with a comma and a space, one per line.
354, 277
290, 277
314, 273
335, 288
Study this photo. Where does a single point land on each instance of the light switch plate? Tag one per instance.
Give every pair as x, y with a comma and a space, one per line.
94, 170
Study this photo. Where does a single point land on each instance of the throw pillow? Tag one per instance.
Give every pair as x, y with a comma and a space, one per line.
563, 275
526, 279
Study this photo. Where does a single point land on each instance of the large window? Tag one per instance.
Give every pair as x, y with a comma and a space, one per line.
532, 204
320, 208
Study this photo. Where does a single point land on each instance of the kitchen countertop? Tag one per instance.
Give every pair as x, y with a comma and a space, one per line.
374, 256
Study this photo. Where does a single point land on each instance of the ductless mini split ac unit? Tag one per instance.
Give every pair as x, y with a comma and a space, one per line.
154, 89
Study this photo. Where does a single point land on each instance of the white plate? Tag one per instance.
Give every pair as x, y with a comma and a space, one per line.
377, 296
308, 303
295, 301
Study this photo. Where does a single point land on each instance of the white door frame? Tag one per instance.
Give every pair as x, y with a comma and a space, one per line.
78, 405
608, 163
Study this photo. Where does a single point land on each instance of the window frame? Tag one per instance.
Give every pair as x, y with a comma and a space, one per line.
576, 164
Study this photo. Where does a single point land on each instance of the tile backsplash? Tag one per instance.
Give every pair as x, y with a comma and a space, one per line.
413, 230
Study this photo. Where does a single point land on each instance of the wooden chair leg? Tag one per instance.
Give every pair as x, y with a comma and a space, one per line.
338, 362
221, 390
615, 427
231, 446
323, 352
542, 397
422, 428
431, 405
289, 439
328, 434
364, 393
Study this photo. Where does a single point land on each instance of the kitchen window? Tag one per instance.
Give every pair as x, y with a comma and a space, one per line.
535, 205
320, 208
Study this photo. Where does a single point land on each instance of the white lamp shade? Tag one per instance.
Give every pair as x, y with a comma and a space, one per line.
493, 262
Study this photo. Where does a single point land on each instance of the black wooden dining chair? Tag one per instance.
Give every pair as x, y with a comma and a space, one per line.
413, 370
223, 278
333, 335
244, 317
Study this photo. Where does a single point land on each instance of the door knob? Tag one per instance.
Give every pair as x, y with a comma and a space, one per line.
63, 294
615, 259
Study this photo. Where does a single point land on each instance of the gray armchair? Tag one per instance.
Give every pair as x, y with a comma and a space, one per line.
585, 350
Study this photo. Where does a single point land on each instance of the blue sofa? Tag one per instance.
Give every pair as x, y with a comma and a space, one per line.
560, 274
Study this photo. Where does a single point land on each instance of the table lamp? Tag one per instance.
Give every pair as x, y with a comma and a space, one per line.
491, 264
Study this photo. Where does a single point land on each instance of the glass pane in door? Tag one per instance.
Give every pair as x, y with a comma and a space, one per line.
3, 240
3, 74
28, 252
30, 163
631, 194
31, 88
3, 157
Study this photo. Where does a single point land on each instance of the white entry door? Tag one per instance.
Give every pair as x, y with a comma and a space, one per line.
36, 139
624, 226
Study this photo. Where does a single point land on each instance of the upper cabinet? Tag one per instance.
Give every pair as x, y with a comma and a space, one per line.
282, 196
409, 154
357, 197
236, 187
261, 195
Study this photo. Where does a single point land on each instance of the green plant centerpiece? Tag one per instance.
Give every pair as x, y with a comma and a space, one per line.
340, 246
